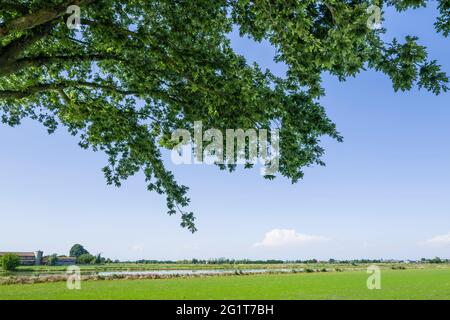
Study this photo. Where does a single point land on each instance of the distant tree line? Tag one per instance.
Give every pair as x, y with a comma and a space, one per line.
435, 260
221, 261
84, 257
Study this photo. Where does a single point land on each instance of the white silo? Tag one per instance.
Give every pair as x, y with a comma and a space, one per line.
38, 256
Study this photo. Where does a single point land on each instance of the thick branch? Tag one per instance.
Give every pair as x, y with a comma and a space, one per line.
13, 51
20, 94
40, 17
17, 65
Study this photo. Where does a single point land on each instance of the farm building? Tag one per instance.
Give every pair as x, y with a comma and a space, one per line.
37, 259
27, 258
66, 261
62, 261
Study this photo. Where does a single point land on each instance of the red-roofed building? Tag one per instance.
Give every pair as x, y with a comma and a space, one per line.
27, 258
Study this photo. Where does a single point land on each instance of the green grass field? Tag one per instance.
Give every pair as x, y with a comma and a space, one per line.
396, 284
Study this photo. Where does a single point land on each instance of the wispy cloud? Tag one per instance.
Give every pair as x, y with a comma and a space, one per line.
288, 238
438, 241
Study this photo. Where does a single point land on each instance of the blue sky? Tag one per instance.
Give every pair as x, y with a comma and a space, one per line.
384, 193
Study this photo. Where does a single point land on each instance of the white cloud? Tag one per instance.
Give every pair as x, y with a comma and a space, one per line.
439, 240
288, 238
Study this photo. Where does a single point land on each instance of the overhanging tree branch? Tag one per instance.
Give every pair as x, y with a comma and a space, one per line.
40, 17
180, 68
22, 63
20, 94
14, 50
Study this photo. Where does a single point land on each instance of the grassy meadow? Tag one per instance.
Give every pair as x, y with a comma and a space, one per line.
413, 283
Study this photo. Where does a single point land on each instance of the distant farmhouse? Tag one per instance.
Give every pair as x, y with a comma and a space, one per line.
62, 261
27, 258
37, 258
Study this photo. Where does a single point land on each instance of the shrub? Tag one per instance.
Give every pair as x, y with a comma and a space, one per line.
99, 259
86, 259
9, 262
52, 260
436, 260
398, 268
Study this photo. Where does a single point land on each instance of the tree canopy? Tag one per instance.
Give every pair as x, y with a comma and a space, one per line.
136, 70
9, 261
77, 250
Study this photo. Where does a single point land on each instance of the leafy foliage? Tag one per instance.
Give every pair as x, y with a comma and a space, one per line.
77, 250
86, 259
137, 70
52, 260
9, 262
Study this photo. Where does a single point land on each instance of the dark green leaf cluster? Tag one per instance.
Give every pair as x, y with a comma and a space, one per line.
136, 70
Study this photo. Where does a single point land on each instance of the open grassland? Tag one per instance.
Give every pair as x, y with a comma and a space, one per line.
432, 283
